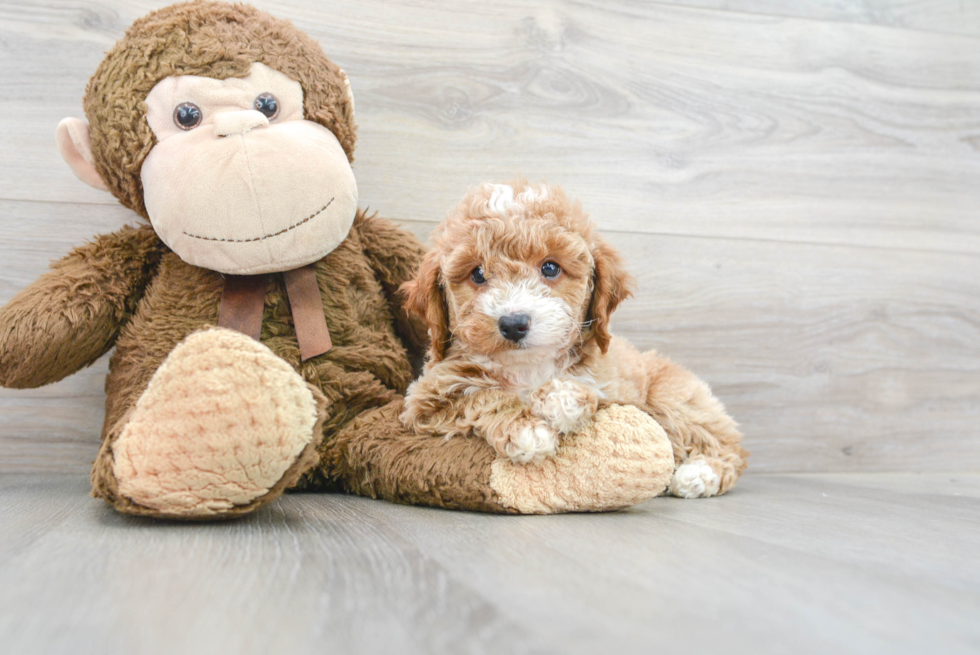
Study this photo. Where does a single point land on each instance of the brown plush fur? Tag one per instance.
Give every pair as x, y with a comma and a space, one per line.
368, 365
127, 288
80, 303
378, 459
520, 396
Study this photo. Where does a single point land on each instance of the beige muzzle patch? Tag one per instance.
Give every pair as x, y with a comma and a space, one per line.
265, 200
240, 192
623, 457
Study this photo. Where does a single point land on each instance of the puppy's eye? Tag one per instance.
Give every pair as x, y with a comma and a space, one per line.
268, 105
477, 275
187, 115
550, 270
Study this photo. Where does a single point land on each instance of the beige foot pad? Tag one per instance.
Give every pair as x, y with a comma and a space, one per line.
622, 458
220, 424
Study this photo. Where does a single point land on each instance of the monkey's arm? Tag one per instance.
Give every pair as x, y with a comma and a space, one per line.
72, 314
394, 254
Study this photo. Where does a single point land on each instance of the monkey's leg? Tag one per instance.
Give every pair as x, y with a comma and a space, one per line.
223, 427
620, 459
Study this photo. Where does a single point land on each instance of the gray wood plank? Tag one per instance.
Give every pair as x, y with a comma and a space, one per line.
664, 119
300, 577
807, 564
949, 16
793, 547
32, 506
927, 532
949, 484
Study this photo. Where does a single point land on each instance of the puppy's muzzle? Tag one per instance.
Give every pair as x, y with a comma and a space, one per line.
514, 327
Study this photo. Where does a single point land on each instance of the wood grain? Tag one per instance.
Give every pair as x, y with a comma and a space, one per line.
948, 16
804, 564
662, 118
793, 183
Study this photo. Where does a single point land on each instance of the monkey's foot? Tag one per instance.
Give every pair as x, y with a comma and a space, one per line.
620, 458
223, 427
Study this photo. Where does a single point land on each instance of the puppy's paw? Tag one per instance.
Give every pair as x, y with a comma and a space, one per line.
530, 440
565, 405
694, 479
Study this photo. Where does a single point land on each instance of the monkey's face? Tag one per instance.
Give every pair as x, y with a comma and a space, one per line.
239, 182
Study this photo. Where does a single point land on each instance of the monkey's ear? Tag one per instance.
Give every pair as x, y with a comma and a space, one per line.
75, 145
348, 90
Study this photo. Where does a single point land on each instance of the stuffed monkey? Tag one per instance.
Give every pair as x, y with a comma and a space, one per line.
260, 340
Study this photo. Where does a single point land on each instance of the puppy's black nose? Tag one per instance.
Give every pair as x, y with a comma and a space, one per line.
514, 327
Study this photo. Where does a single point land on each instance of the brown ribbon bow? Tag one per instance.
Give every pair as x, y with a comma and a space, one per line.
243, 301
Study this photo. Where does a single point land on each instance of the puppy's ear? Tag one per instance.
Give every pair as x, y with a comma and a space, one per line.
611, 285
424, 298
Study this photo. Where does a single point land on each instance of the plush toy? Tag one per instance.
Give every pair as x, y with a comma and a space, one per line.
260, 340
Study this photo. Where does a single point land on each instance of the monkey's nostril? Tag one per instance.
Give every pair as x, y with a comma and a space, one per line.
514, 327
235, 122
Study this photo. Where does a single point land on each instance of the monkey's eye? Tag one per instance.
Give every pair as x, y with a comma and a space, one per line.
477, 275
268, 105
550, 270
187, 116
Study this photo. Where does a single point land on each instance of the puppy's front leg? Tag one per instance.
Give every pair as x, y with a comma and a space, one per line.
508, 424
500, 417
565, 405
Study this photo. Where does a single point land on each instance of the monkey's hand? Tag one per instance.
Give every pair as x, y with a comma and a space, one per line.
72, 314
565, 405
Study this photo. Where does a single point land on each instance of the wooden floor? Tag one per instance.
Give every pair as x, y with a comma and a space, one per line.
830, 563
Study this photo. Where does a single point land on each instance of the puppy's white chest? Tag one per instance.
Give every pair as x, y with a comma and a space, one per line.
523, 380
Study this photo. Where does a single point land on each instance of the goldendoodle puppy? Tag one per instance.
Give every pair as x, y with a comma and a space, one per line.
518, 292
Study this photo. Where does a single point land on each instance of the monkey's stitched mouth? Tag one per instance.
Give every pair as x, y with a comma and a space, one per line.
267, 236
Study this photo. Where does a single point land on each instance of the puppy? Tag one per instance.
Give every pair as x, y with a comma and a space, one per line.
517, 294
